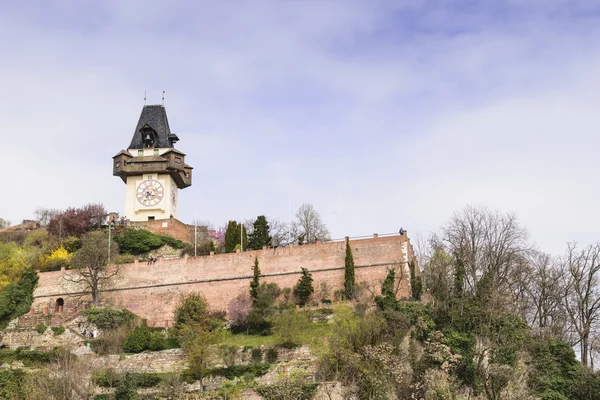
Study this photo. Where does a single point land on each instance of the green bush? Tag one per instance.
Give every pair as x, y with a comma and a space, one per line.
289, 326
55, 264
419, 316
555, 369
27, 357
140, 241
146, 380
123, 259
41, 328
256, 355
126, 390
235, 371
58, 330
157, 341
174, 243
304, 288
109, 318
193, 311
12, 384
138, 340
288, 389
110, 379
16, 298
263, 307
71, 244
271, 355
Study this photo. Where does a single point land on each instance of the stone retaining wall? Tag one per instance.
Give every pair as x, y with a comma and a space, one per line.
152, 291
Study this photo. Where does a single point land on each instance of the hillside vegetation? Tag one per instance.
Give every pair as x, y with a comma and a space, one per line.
488, 317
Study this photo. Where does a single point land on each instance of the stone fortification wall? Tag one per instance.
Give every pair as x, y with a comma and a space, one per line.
170, 227
152, 291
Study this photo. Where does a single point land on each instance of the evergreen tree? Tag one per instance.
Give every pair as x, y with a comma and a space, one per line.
349, 283
304, 288
260, 236
387, 300
416, 285
459, 275
244, 237
255, 284
233, 236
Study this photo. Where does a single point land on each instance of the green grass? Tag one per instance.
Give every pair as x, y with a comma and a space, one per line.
240, 339
316, 332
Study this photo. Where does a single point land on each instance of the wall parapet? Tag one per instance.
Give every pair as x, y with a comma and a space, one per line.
153, 290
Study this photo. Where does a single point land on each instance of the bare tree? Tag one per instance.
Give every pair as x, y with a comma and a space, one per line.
582, 294
543, 285
279, 232
44, 215
423, 250
90, 265
202, 222
66, 378
491, 245
310, 226
438, 273
4, 223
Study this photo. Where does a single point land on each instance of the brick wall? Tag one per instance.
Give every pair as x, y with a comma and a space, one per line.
169, 227
152, 291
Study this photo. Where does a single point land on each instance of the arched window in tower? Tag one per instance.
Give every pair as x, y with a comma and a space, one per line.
58, 307
148, 136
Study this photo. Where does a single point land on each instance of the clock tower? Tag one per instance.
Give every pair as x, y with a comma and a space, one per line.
152, 168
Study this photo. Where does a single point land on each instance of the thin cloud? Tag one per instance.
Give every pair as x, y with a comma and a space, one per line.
382, 113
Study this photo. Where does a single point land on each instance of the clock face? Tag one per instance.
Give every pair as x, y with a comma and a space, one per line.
150, 192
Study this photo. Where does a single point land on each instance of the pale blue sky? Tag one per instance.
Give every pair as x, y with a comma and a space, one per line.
380, 113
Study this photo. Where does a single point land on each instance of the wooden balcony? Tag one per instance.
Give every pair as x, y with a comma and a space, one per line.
125, 165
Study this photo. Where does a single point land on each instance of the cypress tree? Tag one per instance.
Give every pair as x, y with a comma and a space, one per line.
243, 239
349, 282
387, 300
233, 236
416, 286
255, 284
260, 236
304, 288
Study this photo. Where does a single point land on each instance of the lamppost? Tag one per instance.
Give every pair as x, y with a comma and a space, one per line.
111, 226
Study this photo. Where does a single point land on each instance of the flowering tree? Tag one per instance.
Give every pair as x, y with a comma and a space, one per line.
239, 309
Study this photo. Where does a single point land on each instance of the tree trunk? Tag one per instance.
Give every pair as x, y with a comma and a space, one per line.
95, 294
584, 350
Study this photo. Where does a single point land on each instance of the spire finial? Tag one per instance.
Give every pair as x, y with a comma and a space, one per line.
163, 100
144, 97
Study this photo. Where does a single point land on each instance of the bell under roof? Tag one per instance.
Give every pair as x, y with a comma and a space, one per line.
155, 118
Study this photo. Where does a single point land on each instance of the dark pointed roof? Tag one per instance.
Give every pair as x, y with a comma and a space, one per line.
155, 117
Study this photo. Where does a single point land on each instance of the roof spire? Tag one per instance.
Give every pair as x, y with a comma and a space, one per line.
163, 99
144, 97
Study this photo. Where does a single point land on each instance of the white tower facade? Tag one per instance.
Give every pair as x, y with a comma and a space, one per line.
152, 169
